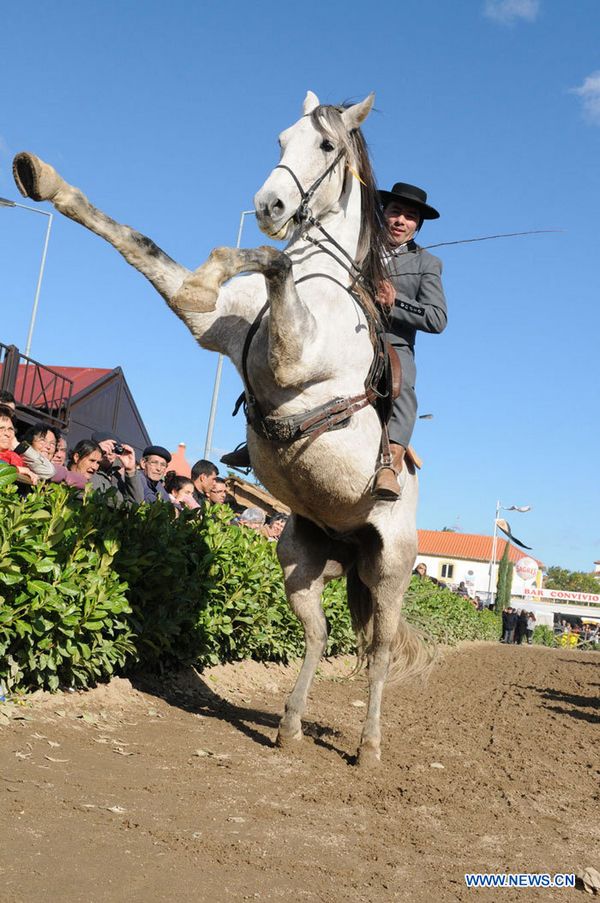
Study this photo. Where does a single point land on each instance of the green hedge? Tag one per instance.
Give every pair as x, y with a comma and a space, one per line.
87, 591
446, 617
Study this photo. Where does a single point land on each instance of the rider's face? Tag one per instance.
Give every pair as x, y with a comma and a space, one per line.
402, 222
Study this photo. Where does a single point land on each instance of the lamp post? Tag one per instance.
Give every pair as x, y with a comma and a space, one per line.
4, 202
499, 508
217, 382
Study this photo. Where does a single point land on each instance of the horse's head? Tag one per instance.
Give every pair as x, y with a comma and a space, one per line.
314, 154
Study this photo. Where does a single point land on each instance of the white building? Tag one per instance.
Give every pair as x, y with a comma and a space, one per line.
455, 557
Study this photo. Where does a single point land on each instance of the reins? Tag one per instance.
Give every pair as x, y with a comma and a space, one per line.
304, 215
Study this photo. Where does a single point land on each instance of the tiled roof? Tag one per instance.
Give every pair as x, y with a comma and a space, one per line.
469, 546
82, 377
38, 382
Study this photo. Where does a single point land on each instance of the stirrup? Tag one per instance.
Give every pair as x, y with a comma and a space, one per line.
239, 458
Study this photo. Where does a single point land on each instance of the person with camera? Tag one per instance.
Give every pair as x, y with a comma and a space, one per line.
117, 474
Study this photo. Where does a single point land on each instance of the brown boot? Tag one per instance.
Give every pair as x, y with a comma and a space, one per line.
386, 487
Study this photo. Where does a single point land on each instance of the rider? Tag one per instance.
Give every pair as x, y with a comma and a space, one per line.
413, 299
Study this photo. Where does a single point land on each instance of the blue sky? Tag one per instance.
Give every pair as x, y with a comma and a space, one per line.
166, 116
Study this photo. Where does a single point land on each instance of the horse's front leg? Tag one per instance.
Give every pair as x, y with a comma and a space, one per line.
40, 181
294, 354
309, 561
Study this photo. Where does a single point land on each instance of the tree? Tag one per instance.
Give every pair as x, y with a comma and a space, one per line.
575, 581
504, 586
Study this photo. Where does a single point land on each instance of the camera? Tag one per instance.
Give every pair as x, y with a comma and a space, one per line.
118, 448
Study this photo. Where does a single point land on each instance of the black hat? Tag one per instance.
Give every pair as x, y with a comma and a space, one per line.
157, 450
404, 192
103, 435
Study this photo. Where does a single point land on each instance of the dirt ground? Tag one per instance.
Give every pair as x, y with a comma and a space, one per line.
175, 791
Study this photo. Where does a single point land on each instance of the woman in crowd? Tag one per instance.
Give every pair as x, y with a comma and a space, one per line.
180, 491
7, 445
85, 458
38, 448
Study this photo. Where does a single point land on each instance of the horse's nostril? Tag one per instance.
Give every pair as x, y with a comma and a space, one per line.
276, 207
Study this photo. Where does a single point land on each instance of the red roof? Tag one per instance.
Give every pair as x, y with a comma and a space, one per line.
81, 377
40, 385
470, 546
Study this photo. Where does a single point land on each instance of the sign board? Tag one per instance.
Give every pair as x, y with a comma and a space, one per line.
526, 568
565, 594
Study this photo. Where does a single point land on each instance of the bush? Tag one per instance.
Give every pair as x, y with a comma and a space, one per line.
446, 617
544, 635
87, 590
63, 609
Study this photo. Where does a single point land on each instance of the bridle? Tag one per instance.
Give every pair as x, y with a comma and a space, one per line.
304, 216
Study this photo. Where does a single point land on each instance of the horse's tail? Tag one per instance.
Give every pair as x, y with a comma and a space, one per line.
412, 655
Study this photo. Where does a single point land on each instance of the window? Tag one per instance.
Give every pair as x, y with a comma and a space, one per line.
447, 571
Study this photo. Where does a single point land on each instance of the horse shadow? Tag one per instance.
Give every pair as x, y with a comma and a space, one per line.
189, 692
579, 704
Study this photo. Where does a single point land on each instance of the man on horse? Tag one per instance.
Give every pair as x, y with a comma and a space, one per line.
413, 299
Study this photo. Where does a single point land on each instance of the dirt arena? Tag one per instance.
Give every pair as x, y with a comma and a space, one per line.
175, 791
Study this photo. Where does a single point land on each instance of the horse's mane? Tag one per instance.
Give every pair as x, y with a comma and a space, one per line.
371, 240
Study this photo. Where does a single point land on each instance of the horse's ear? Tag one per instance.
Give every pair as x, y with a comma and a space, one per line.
311, 101
354, 116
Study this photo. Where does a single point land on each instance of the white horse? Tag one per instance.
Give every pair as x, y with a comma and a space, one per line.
311, 346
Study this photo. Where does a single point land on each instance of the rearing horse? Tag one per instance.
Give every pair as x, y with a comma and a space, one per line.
312, 346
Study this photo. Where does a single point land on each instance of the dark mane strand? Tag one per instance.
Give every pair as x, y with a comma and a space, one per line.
372, 235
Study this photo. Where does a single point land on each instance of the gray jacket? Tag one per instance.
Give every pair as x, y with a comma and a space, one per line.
129, 489
420, 301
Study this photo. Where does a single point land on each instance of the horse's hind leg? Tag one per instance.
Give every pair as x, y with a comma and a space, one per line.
393, 647
309, 561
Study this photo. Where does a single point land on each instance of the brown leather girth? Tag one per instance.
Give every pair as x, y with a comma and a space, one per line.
382, 386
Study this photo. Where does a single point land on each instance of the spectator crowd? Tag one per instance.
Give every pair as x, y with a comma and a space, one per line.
106, 465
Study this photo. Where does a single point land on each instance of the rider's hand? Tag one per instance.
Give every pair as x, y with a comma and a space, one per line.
386, 294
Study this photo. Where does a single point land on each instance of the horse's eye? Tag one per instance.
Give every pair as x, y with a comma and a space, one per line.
326, 145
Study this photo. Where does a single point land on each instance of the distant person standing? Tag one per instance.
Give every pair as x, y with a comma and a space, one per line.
509, 624
530, 627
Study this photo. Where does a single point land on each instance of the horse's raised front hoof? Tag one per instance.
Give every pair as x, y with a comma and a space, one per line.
285, 741
368, 757
34, 178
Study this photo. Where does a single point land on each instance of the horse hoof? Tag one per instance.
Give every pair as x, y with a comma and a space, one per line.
34, 178
368, 757
286, 740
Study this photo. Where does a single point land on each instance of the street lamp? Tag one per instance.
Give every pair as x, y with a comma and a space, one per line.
4, 202
217, 383
499, 508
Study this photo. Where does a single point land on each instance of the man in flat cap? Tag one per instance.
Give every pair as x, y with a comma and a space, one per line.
153, 466
413, 299
117, 470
